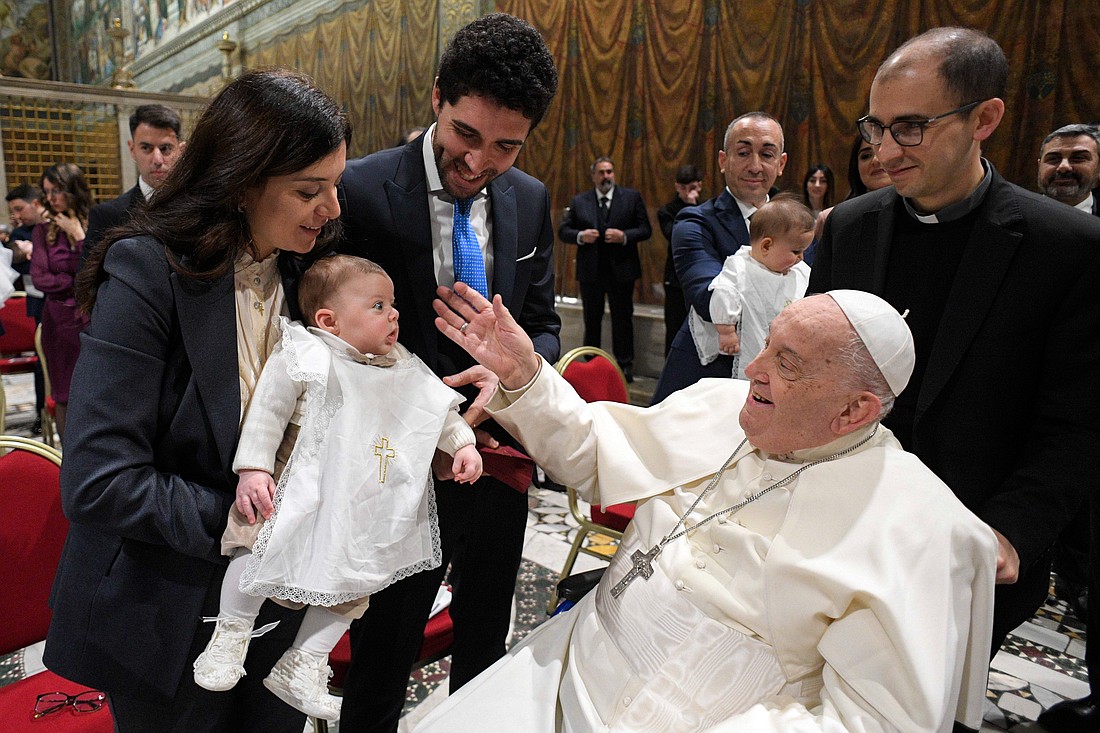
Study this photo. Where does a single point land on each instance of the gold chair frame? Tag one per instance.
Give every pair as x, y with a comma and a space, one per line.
16, 442
48, 433
586, 526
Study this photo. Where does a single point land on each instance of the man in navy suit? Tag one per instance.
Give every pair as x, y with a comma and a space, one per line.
606, 223
155, 145
751, 159
401, 208
1000, 289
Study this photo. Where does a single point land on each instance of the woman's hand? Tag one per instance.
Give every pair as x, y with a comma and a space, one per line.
72, 228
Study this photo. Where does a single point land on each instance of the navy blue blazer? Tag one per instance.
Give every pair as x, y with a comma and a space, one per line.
387, 219
702, 238
147, 480
628, 213
1008, 410
106, 216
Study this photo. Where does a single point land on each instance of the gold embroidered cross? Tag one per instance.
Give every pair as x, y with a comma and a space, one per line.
384, 452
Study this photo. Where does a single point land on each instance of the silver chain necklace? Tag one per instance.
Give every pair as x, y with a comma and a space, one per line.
643, 561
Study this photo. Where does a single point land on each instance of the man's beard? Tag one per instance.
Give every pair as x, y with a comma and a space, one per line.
442, 167
604, 186
1069, 189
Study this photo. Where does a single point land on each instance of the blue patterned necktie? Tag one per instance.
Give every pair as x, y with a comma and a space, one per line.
469, 265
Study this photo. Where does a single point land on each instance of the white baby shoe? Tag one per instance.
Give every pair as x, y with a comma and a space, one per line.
221, 664
301, 681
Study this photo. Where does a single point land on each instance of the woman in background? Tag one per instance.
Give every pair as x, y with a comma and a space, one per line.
818, 187
865, 173
55, 259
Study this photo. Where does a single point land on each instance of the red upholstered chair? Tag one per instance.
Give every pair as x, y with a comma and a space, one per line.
17, 344
439, 636
596, 377
20, 348
32, 532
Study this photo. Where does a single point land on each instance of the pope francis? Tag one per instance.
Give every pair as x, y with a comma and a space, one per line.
789, 566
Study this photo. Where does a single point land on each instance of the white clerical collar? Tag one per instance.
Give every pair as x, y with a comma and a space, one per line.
431, 171
146, 190
342, 347
959, 209
842, 443
1085, 205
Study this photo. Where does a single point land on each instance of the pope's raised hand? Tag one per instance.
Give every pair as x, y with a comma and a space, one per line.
487, 332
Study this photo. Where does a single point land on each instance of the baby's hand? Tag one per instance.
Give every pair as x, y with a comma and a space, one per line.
728, 341
467, 465
255, 488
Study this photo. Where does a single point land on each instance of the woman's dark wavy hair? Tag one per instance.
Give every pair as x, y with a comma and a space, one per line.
830, 189
266, 123
856, 185
69, 178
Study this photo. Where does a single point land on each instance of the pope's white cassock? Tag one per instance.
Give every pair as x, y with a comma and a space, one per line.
856, 598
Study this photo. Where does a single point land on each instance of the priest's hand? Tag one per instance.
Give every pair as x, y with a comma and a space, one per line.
487, 332
1008, 560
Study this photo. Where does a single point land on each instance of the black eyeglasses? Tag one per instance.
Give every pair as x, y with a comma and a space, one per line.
83, 702
907, 133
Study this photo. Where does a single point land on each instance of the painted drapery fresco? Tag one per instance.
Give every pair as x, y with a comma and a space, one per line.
377, 59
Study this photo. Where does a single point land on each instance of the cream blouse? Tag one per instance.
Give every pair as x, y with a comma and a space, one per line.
259, 298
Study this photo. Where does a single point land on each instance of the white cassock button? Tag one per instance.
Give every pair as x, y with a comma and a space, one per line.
717, 548
767, 477
700, 563
627, 700
722, 519
679, 585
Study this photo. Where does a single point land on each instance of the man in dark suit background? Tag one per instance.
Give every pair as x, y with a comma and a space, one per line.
155, 144
1069, 166
402, 208
27, 210
606, 223
1069, 171
1000, 289
689, 184
703, 237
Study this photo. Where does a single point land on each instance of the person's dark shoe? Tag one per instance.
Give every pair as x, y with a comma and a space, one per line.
628, 374
36, 429
1075, 595
1072, 716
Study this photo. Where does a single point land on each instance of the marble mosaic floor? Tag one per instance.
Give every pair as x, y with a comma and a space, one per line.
1041, 663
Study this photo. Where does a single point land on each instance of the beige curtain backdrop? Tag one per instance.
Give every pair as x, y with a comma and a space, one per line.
653, 84
378, 60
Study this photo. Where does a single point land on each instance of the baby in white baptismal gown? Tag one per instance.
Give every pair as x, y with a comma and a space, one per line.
334, 499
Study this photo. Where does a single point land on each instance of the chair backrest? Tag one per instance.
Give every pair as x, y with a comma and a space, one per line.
18, 337
32, 533
596, 379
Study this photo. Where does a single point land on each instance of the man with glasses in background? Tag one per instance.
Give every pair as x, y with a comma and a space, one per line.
1000, 289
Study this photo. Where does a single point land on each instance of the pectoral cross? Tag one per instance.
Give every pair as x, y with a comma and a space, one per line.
643, 566
384, 452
